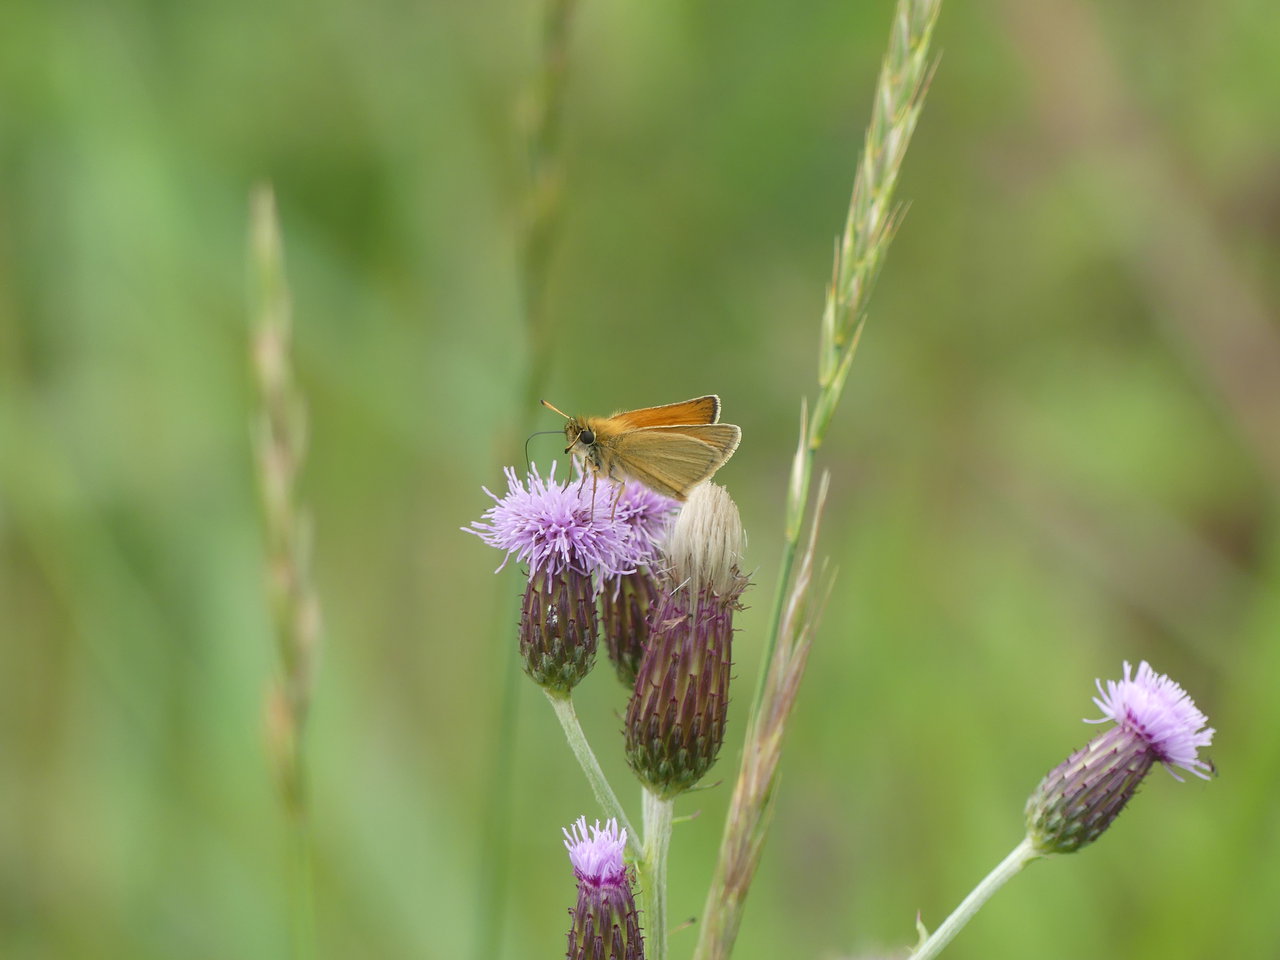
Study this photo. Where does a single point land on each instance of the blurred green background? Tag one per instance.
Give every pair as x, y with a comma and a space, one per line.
1059, 449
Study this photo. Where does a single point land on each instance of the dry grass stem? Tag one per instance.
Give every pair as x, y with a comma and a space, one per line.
752, 805
541, 112
541, 109
279, 447
869, 227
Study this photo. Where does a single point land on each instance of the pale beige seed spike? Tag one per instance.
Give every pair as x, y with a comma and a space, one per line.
706, 542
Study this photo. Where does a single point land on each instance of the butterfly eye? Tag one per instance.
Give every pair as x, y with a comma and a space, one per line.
587, 436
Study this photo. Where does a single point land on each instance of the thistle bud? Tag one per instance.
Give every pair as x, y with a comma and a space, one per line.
606, 925
558, 629
624, 618
625, 603
571, 545
1155, 722
706, 542
676, 717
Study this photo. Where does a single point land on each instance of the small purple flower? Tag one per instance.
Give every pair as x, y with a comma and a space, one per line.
606, 925
1155, 722
596, 859
555, 527
1159, 711
648, 517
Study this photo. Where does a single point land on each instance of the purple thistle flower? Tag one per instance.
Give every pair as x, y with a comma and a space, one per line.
606, 925
1156, 709
1082, 796
553, 527
647, 515
574, 539
596, 859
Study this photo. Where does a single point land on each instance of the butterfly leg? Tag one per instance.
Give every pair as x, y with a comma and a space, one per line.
582, 483
616, 497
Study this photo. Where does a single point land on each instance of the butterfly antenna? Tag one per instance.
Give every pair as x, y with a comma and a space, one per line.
538, 433
566, 416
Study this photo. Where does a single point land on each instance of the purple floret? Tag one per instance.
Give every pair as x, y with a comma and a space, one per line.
553, 527
597, 859
1159, 711
648, 515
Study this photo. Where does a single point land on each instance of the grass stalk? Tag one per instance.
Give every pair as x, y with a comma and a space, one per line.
280, 435
543, 108
869, 227
751, 807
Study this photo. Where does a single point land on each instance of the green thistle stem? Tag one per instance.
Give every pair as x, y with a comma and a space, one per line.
653, 882
1008, 868
605, 796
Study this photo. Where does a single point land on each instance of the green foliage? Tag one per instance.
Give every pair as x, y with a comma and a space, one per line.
1051, 455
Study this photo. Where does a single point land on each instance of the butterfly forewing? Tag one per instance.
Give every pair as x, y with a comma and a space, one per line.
697, 411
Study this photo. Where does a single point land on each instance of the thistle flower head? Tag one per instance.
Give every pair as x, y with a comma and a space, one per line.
1158, 710
605, 925
554, 527
575, 539
647, 517
1155, 722
596, 852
